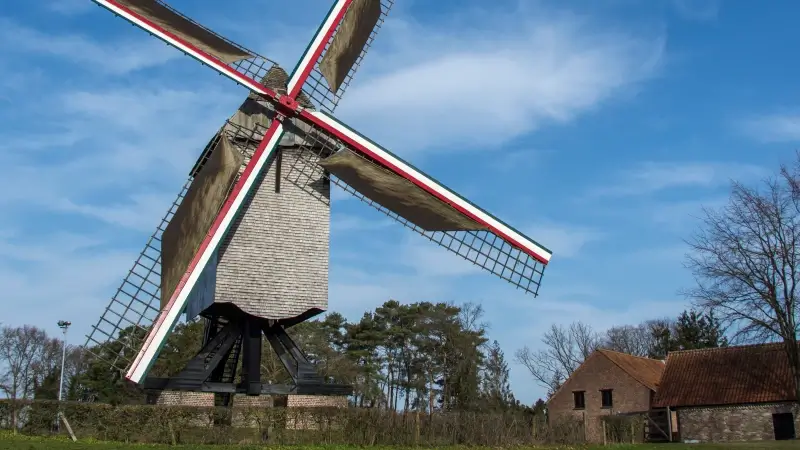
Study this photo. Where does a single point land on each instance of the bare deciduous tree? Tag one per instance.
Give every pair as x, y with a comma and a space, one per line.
635, 340
22, 350
746, 263
565, 348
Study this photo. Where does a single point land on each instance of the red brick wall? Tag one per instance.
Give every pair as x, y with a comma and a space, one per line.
598, 372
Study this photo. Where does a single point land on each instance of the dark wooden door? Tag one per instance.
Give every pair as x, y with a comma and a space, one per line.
783, 424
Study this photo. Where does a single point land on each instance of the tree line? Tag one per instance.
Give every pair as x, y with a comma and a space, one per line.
745, 258
421, 356
564, 348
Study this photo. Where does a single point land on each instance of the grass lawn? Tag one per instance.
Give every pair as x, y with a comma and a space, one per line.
10, 442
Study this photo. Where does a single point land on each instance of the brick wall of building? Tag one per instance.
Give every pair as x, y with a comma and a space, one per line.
247, 410
316, 401
274, 261
181, 398
597, 373
307, 420
206, 399
731, 423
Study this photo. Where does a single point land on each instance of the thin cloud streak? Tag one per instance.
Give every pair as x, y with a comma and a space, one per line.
774, 128
652, 177
449, 91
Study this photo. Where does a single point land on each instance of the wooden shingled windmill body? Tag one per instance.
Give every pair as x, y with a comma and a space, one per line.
245, 245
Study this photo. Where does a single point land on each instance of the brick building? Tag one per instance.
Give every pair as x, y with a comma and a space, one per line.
730, 394
608, 382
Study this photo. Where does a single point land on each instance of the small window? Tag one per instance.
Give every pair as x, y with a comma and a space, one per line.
580, 400
606, 398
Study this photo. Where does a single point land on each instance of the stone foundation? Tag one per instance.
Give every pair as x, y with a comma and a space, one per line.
732, 423
180, 398
306, 420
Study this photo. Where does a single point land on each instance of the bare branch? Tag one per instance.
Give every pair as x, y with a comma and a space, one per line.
564, 349
745, 262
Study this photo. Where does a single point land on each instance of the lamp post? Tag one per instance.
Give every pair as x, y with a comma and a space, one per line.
64, 325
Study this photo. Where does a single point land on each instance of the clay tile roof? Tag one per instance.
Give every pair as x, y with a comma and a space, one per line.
726, 376
645, 370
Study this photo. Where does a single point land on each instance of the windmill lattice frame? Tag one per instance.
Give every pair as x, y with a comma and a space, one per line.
483, 240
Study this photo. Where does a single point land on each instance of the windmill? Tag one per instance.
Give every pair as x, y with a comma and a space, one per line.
245, 243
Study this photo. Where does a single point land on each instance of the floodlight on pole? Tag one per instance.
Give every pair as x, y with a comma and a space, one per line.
64, 325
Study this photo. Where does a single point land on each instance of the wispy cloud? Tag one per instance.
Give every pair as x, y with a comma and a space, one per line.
108, 145
118, 57
651, 177
564, 240
354, 290
474, 86
141, 212
429, 260
773, 128
350, 223
680, 214
68, 7
697, 10
517, 160
59, 276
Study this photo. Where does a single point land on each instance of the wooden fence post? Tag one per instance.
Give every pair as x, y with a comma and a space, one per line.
416, 427
604, 430
669, 424
66, 424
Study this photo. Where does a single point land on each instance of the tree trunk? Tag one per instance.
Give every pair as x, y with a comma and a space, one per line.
793, 353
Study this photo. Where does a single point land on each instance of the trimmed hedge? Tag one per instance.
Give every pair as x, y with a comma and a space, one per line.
283, 426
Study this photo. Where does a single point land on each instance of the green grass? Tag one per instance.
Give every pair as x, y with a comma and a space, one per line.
19, 442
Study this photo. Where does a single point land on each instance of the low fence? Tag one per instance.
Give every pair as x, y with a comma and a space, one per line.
285, 426
624, 429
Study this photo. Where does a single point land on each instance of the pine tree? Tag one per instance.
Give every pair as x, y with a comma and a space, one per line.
695, 330
496, 387
692, 330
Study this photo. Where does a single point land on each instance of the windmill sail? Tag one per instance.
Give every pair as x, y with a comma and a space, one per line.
174, 271
185, 30
392, 186
344, 52
396, 193
182, 236
326, 69
139, 299
349, 41
223, 55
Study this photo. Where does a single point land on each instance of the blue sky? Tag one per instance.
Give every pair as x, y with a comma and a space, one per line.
599, 128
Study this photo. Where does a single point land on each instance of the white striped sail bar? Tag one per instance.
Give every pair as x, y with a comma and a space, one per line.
165, 36
451, 197
318, 41
169, 316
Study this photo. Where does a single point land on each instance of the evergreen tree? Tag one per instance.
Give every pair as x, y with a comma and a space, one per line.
48, 388
420, 356
695, 330
495, 384
692, 330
